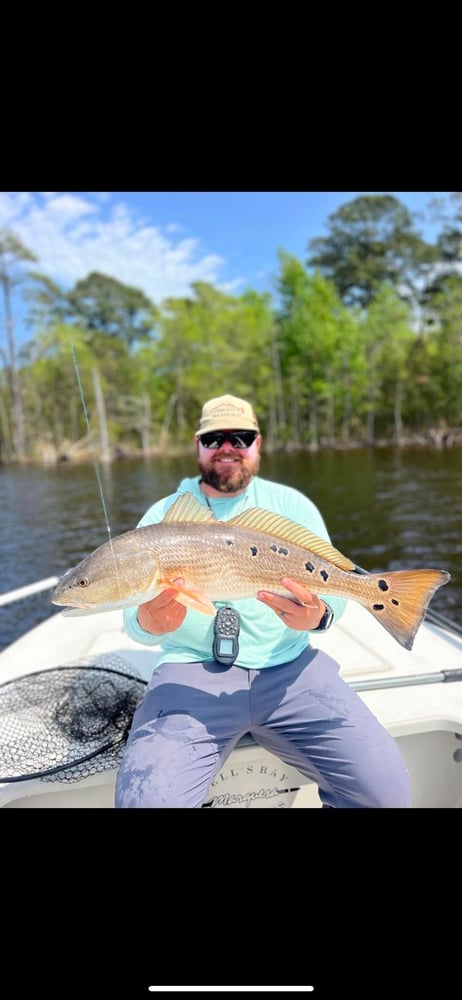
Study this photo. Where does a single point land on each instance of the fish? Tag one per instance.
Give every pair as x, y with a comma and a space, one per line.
232, 560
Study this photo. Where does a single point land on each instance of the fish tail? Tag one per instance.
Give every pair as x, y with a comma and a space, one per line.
401, 600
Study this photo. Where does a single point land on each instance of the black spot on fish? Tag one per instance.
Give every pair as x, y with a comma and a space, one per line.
283, 552
383, 585
394, 601
274, 548
324, 575
253, 549
378, 607
229, 541
309, 566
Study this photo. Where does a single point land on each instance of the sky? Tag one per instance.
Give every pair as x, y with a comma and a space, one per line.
162, 242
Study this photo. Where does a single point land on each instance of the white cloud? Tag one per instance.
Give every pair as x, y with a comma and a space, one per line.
73, 234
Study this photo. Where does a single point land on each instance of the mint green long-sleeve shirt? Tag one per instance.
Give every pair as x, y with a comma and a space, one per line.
264, 640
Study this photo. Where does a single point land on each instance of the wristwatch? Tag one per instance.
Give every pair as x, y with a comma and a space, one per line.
326, 620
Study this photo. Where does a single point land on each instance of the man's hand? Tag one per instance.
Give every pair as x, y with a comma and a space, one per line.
163, 613
301, 614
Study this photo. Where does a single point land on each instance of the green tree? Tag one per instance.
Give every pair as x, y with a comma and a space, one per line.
448, 213
372, 240
447, 368
388, 343
49, 302
13, 254
211, 340
51, 390
101, 304
318, 343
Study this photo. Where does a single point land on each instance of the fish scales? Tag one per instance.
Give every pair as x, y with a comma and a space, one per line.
235, 564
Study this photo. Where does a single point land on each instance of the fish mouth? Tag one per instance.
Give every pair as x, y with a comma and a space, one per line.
56, 599
88, 610
66, 606
62, 602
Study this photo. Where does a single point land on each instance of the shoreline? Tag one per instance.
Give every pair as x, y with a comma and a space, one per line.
49, 456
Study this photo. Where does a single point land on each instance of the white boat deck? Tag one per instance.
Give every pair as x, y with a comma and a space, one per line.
431, 712
363, 648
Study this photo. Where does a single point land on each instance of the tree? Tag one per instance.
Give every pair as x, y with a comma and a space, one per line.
448, 356
388, 345
49, 302
101, 304
209, 342
448, 213
51, 393
318, 342
12, 254
372, 240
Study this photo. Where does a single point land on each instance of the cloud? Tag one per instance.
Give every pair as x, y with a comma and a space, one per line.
73, 234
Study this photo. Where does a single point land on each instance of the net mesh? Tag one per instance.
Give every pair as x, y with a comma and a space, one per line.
67, 722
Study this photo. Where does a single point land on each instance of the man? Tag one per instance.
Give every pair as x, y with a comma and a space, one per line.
281, 689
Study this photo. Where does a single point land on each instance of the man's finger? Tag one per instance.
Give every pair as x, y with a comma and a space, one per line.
302, 593
166, 596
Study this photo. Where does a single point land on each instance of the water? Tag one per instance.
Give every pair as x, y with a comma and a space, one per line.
386, 509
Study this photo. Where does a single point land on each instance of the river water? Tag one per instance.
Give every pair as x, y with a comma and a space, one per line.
386, 509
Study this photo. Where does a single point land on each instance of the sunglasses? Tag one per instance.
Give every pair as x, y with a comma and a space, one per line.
238, 439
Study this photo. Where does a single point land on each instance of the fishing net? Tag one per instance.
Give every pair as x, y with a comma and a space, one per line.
67, 722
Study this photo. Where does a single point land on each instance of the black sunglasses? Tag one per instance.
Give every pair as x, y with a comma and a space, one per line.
238, 439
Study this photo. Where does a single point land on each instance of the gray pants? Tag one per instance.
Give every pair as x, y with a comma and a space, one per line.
193, 714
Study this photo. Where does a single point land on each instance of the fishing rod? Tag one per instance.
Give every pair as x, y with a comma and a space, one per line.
407, 680
87, 422
95, 462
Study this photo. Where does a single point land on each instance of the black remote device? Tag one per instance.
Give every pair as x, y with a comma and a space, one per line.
226, 633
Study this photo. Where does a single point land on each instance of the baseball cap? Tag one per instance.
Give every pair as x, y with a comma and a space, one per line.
227, 412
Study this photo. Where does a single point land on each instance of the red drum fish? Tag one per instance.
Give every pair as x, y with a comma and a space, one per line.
233, 560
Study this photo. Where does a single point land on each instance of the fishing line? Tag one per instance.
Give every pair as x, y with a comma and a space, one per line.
95, 461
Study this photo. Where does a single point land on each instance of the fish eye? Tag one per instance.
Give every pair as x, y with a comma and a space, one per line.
83, 581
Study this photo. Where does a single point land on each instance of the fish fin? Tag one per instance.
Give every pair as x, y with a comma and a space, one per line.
187, 508
402, 599
289, 531
195, 599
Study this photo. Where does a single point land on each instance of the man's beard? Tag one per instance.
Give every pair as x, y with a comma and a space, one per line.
227, 483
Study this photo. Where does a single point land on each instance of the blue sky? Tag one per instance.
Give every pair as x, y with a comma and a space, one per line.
162, 242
